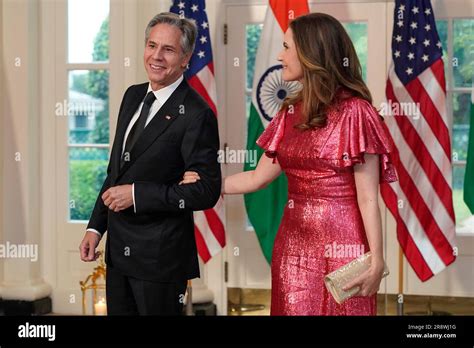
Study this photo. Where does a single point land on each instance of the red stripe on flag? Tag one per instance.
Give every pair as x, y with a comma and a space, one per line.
438, 72
216, 226
201, 245
419, 95
196, 83
412, 254
417, 145
422, 212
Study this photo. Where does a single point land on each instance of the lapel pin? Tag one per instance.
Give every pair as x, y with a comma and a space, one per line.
168, 117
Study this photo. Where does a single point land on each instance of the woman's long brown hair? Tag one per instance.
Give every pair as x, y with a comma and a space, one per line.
329, 61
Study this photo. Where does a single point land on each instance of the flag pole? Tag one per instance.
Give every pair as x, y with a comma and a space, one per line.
400, 281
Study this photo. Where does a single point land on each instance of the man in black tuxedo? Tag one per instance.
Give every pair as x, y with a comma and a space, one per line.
164, 128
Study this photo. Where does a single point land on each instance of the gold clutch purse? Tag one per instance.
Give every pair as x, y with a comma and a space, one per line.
336, 280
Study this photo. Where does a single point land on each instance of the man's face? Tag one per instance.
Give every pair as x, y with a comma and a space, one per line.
163, 57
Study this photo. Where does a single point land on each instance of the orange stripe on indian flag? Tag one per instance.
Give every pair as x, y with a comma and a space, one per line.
285, 11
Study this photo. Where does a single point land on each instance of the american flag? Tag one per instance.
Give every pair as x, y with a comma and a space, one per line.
209, 224
421, 201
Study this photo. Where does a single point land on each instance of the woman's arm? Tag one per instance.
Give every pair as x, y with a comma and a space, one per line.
253, 180
244, 182
367, 186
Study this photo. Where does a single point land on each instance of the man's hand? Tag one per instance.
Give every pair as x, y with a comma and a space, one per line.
88, 246
118, 198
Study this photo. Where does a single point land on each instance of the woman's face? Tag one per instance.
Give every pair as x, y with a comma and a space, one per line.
288, 57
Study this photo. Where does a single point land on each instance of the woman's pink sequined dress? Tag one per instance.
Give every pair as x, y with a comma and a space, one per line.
322, 228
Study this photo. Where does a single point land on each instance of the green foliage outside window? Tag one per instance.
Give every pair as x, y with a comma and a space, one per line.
88, 166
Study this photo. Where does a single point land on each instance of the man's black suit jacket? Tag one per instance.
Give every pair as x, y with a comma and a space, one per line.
157, 241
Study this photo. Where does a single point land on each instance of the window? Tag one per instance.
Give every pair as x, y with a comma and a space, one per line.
88, 102
457, 37
253, 32
358, 33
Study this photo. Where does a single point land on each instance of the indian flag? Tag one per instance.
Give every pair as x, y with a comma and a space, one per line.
265, 207
469, 176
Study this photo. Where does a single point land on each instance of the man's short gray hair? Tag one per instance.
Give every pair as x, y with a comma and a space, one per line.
188, 29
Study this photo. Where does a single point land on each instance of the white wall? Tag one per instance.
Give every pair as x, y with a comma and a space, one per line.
20, 149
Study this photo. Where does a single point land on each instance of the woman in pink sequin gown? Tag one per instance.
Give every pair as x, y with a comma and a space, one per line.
333, 164
322, 215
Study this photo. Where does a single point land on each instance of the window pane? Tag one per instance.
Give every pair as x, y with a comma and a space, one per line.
442, 28
88, 31
253, 39
88, 107
358, 33
463, 52
87, 172
461, 210
461, 111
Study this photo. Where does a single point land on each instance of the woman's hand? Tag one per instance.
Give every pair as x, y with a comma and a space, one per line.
189, 178
369, 281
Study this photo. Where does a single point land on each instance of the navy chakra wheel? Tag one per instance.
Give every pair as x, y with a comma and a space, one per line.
272, 90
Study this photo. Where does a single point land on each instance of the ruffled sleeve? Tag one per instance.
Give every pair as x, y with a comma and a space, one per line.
272, 135
360, 130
